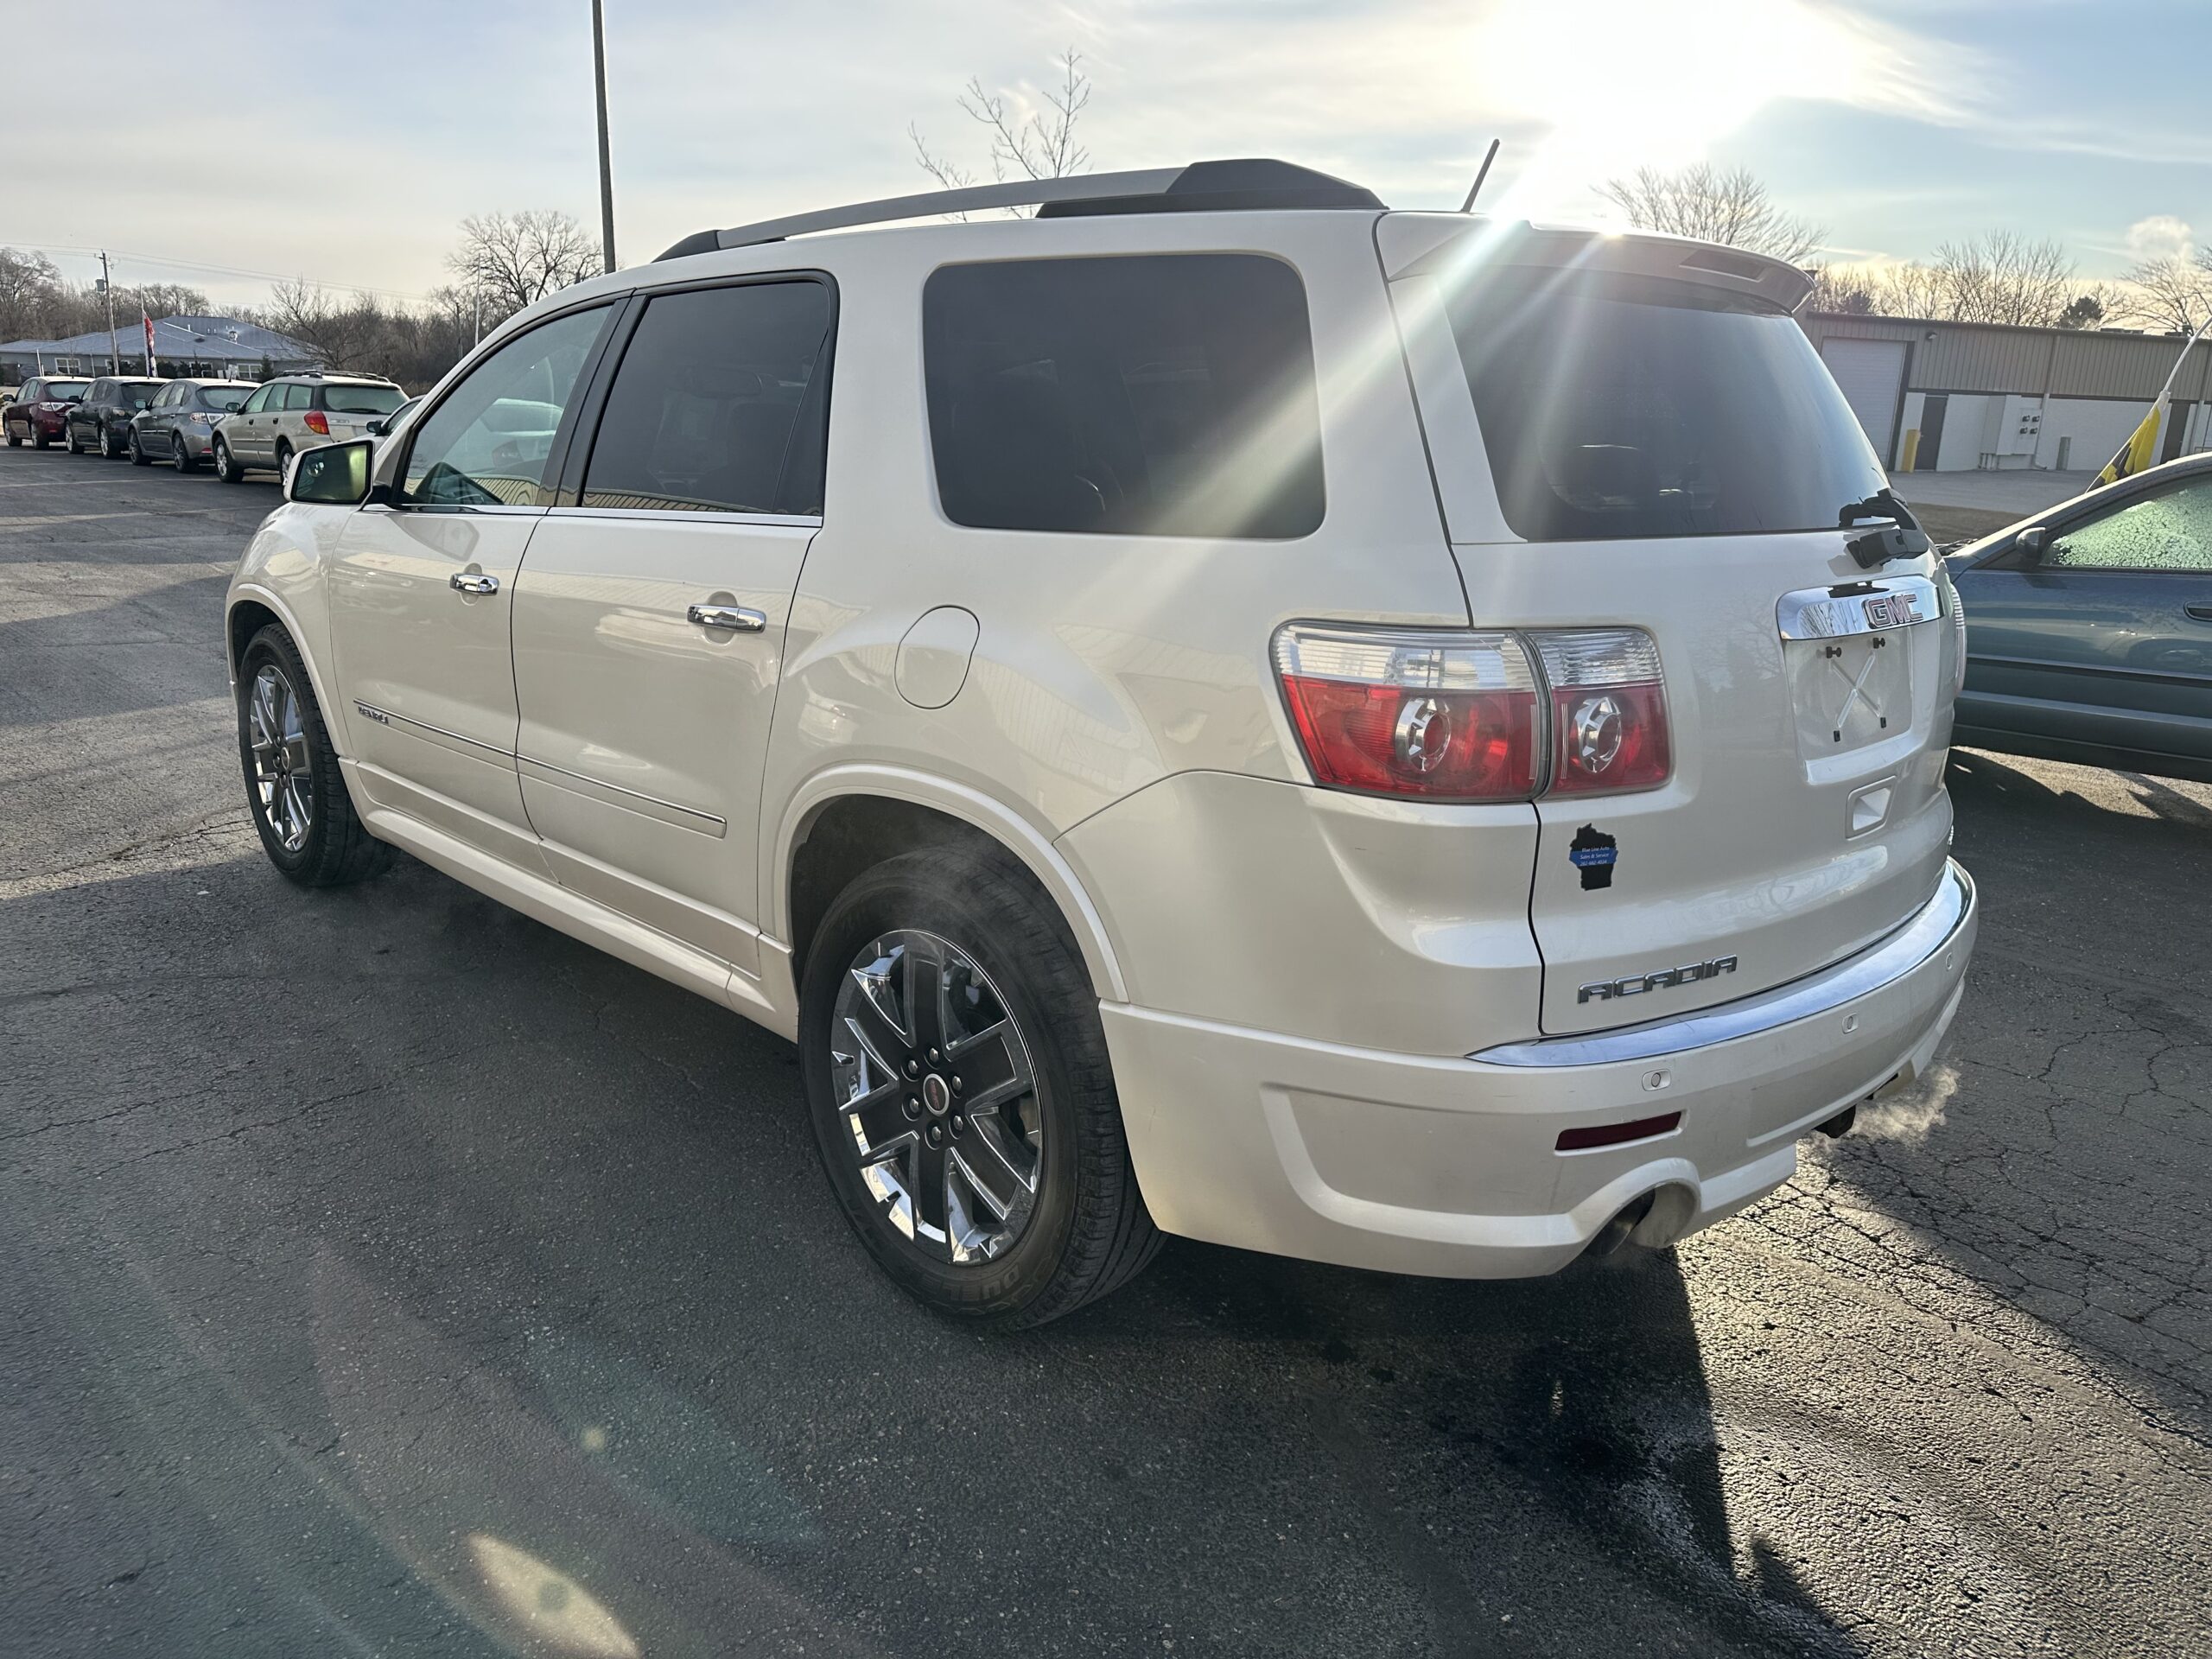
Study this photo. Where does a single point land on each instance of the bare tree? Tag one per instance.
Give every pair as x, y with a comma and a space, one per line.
2173, 292
1039, 145
1998, 276
1841, 289
517, 259
1731, 207
343, 331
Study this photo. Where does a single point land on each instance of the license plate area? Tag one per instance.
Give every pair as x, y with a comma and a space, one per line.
1848, 651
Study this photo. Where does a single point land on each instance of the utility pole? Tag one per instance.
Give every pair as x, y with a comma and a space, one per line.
606, 165
114, 358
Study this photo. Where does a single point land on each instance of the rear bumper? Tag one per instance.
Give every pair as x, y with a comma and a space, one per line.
1410, 1163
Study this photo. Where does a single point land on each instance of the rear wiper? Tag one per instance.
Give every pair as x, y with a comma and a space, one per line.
1902, 539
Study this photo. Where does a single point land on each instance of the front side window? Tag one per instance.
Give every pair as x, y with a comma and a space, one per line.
2169, 530
1155, 395
710, 412
1616, 407
490, 443
258, 402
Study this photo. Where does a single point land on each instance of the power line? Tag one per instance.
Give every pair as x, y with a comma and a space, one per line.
206, 268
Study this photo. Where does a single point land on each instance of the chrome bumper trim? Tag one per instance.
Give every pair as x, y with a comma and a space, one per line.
1923, 937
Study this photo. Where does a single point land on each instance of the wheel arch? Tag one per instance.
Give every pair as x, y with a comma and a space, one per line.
873, 811
252, 607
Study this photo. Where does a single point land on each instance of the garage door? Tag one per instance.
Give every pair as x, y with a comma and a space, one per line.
1871, 371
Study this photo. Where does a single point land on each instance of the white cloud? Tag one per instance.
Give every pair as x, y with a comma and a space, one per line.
2161, 236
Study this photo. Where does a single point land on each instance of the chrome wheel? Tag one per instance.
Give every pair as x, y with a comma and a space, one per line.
283, 770
939, 1097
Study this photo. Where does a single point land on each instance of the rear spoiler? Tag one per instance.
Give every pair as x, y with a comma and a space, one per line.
1438, 245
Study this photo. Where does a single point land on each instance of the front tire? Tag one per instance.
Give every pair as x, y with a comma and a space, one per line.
293, 783
957, 1080
69, 436
139, 456
225, 469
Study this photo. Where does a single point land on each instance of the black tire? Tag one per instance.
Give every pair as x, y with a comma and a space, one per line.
109, 449
38, 440
139, 456
336, 849
69, 436
227, 469
13, 442
180, 456
284, 458
1090, 1231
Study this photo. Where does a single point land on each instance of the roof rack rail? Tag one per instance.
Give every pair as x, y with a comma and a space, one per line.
1202, 186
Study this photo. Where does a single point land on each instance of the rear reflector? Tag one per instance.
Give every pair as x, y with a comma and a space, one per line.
1613, 1134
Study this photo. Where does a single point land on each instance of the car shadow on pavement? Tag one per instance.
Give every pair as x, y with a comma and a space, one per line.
384, 1250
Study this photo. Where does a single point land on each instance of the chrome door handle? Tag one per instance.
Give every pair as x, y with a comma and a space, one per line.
473, 584
736, 617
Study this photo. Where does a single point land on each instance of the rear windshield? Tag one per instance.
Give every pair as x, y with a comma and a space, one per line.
1623, 407
58, 389
363, 400
1155, 395
224, 397
137, 396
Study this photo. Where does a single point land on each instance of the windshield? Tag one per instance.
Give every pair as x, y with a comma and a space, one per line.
1619, 407
223, 398
362, 400
58, 389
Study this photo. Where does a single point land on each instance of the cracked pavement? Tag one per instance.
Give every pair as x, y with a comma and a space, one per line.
385, 1273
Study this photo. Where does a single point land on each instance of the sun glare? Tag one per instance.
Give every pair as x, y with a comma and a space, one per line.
1657, 83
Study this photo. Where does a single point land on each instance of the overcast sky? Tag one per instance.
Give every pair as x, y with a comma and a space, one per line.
344, 143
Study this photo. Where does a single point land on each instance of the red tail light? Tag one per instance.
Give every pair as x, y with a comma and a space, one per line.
1445, 716
1609, 710
318, 422
1457, 715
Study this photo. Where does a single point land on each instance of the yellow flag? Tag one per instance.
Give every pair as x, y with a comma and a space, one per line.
2135, 455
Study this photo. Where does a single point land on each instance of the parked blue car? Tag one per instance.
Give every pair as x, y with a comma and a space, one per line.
2089, 628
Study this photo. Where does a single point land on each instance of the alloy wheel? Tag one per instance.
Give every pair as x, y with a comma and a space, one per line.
283, 769
937, 1091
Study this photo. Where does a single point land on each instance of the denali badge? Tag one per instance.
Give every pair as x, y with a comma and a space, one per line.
1666, 979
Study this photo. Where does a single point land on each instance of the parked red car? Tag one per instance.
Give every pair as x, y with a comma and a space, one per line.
40, 411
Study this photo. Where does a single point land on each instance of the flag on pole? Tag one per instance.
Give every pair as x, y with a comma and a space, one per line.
148, 321
2140, 453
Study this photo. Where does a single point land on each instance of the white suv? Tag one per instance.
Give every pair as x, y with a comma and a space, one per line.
1396, 738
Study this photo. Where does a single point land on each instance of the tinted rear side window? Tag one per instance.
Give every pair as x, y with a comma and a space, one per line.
710, 410
1617, 407
1167, 395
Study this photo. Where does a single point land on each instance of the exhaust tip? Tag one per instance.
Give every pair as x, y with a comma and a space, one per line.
1614, 1234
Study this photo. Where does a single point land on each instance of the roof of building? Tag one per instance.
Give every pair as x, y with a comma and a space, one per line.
199, 340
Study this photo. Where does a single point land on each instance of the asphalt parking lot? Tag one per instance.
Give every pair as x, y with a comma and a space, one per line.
386, 1273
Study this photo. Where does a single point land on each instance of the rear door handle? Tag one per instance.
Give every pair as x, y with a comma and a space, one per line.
2202, 613
736, 617
473, 584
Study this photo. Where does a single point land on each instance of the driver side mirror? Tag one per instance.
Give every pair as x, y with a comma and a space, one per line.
2030, 543
334, 475
378, 426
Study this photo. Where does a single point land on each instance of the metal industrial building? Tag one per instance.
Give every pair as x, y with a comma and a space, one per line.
1955, 397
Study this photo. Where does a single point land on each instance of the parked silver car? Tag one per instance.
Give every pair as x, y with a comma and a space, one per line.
300, 411
180, 424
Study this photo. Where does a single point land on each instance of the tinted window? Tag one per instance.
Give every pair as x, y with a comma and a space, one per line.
300, 397
709, 410
1631, 407
259, 401
1156, 396
2170, 531
136, 397
229, 397
490, 442
361, 400
65, 387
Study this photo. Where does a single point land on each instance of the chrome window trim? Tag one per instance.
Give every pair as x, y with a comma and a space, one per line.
1926, 935
1825, 614
690, 516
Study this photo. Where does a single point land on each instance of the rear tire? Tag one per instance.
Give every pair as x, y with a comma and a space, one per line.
225, 469
38, 440
180, 456
1079, 1229
294, 787
283, 461
109, 449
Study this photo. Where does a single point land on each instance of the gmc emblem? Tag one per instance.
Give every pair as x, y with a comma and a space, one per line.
1666, 979
1892, 611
